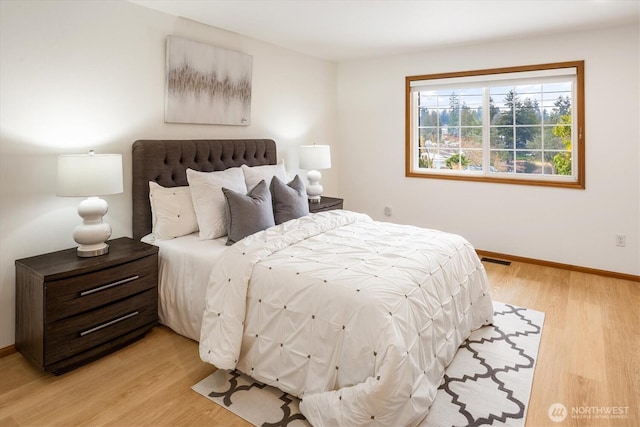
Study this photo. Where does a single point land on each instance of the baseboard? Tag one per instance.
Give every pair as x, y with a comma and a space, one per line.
7, 351
613, 274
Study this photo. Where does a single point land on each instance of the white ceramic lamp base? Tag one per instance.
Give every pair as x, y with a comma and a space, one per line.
92, 234
314, 189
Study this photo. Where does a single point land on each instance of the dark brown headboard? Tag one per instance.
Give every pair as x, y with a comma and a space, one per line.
166, 162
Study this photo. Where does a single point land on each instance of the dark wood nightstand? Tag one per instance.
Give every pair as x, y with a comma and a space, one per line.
325, 204
71, 310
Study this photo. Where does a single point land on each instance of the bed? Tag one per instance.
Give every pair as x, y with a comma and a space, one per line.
358, 318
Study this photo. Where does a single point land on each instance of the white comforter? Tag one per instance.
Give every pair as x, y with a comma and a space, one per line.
359, 318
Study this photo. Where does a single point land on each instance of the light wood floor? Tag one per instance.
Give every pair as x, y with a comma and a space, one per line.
589, 357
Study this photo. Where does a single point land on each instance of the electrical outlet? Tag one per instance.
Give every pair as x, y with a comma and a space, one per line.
387, 211
621, 240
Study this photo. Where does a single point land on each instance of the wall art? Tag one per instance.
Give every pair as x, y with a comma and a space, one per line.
207, 84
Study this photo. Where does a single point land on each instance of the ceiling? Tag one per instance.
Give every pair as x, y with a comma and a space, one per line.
342, 30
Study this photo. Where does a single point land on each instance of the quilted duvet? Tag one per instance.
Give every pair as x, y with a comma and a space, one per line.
359, 318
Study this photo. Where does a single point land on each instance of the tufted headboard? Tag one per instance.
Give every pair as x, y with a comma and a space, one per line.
166, 162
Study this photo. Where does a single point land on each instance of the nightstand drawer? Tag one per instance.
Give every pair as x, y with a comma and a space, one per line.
68, 297
85, 331
325, 204
326, 208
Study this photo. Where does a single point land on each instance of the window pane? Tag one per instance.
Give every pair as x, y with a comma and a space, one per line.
528, 89
431, 158
556, 106
456, 161
428, 136
500, 91
474, 158
501, 137
529, 162
501, 115
450, 136
528, 137
443, 116
471, 137
557, 87
553, 141
502, 160
428, 117
443, 98
428, 99
471, 116
560, 162
528, 112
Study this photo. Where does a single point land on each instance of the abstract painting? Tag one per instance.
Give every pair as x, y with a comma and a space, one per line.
207, 84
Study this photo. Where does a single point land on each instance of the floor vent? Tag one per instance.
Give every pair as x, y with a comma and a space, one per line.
495, 261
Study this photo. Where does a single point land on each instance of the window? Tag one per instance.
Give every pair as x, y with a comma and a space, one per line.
520, 125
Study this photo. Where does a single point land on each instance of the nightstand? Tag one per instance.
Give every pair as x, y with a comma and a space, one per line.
325, 204
71, 310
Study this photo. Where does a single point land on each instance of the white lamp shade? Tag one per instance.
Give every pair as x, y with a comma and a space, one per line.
315, 157
89, 174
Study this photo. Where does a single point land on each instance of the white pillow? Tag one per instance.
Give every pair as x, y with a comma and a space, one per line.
208, 200
172, 213
254, 174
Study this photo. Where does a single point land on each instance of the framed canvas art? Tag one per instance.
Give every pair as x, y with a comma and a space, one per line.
207, 84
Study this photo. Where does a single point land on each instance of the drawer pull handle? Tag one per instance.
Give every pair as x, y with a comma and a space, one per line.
109, 323
109, 285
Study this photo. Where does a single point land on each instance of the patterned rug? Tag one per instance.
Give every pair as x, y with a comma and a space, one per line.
488, 382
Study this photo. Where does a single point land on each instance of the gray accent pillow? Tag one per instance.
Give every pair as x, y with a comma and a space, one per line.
289, 200
248, 214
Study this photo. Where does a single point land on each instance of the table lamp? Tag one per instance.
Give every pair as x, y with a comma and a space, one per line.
90, 175
314, 157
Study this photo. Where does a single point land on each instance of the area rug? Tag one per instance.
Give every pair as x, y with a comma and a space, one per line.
488, 382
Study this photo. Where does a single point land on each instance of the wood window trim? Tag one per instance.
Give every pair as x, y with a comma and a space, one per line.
579, 183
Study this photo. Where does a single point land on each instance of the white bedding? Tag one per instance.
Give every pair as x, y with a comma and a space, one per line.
184, 267
357, 317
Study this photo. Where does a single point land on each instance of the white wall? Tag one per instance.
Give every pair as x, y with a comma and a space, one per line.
562, 225
79, 75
